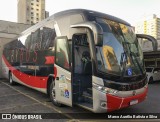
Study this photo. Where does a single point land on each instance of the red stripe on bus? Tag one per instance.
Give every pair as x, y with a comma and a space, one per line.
115, 103
33, 81
55, 72
49, 60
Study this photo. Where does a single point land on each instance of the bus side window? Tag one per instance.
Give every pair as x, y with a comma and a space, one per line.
35, 40
62, 53
48, 36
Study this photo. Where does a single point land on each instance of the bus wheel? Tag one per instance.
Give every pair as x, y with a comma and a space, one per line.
53, 94
151, 80
11, 82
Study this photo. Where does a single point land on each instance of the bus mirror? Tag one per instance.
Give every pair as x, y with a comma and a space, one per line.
144, 38
95, 28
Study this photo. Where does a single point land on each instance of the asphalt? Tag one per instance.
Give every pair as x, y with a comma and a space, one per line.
20, 99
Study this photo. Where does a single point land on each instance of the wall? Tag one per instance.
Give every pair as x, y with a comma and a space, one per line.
8, 31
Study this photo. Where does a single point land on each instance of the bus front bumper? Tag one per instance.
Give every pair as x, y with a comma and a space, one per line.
115, 102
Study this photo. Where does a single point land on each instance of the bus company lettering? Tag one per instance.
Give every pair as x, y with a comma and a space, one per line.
24, 54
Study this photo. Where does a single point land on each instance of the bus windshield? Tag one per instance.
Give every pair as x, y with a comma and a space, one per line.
121, 53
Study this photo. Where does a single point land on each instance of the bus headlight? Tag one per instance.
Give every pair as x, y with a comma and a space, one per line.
104, 89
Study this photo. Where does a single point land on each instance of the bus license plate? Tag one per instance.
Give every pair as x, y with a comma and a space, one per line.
133, 102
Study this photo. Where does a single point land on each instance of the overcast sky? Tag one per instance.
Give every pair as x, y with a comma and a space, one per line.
129, 10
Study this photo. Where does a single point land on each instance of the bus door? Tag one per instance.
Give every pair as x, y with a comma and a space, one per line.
63, 85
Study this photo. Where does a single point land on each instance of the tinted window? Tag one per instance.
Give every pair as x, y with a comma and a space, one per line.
80, 39
157, 69
25, 42
120, 51
35, 40
40, 39
149, 69
62, 53
10, 51
48, 35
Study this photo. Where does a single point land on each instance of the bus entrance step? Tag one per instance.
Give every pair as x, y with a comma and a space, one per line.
87, 97
89, 90
86, 105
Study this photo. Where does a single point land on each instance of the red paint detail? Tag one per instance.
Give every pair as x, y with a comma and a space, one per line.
21, 54
66, 64
33, 81
35, 58
49, 60
115, 103
55, 72
27, 55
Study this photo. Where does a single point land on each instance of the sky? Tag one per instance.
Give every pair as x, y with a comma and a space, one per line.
129, 10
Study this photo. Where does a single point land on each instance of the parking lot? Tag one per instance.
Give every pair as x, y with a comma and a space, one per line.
20, 99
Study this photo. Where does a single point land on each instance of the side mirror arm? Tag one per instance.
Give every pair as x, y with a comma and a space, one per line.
150, 38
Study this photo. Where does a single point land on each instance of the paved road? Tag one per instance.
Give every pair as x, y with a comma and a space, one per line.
20, 99
150, 105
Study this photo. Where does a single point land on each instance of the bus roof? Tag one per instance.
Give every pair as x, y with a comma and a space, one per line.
76, 11
91, 13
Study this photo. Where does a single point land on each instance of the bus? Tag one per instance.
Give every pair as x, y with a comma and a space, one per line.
79, 57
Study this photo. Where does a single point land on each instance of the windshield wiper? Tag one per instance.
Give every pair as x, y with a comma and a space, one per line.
123, 62
135, 57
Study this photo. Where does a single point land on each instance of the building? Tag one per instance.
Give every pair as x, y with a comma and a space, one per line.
31, 11
8, 31
46, 14
149, 25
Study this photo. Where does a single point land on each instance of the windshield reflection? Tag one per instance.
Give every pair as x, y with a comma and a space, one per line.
116, 55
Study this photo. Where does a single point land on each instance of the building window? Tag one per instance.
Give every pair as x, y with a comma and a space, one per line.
37, 19
32, 4
37, 9
37, 5
37, 0
27, 8
37, 14
31, 8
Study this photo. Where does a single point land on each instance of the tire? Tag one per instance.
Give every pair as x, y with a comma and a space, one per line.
151, 80
52, 94
11, 82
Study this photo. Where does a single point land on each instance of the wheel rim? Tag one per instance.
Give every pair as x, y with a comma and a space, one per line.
53, 92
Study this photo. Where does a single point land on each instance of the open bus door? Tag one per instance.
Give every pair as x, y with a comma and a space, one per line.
63, 85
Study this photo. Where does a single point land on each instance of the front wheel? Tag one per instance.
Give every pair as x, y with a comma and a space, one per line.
11, 82
53, 94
